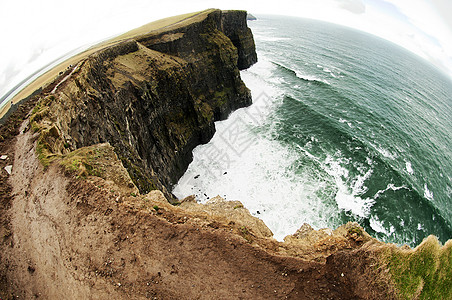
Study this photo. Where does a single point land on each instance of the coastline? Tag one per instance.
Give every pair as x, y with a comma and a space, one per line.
74, 200
40, 81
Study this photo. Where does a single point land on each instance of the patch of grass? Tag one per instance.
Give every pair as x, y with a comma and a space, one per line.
246, 234
45, 156
238, 206
156, 208
82, 162
355, 230
422, 273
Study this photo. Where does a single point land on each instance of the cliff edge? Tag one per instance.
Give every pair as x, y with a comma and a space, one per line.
153, 97
88, 162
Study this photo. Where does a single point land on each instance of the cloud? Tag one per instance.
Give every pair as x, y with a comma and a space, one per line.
354, 6
444, 9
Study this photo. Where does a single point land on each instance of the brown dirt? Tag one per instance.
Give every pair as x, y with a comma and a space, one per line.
69, 238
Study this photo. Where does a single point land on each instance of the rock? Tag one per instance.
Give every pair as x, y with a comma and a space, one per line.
154, 97
303, 231
229, 211
3, 157
250, 17
9, 169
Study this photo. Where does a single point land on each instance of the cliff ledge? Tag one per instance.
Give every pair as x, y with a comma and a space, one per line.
86, 212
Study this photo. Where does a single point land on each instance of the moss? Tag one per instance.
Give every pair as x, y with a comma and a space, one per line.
356, 230
422, 273
82, 162
245, 233
144, 183
221, 97
45, 156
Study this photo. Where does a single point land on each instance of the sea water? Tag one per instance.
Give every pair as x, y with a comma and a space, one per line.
344, 126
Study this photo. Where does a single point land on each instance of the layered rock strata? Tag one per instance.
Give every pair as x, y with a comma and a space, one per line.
153, 97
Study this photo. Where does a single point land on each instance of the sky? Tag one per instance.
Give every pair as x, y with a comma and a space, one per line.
35, 33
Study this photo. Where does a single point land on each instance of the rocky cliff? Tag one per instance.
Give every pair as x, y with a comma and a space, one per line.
85, 212
153, 97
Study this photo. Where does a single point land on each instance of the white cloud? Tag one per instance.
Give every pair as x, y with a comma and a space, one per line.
354, 6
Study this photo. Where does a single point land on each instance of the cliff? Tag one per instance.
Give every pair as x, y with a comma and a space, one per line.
86, 212
153, 97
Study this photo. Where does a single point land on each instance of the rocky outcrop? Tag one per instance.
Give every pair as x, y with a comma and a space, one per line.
153, 97
81, 228
250, 17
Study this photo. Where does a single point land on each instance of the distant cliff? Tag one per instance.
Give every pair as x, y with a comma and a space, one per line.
153, 97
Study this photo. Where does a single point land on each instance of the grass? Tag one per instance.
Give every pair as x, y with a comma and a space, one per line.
50, 75
246, 234
44, 155
82, 162
422, 273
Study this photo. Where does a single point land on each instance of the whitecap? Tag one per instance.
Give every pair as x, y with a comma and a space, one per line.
347, 122
348, 198
390, 186
309, 77
409, 168
385, 152
379, 226
427, 193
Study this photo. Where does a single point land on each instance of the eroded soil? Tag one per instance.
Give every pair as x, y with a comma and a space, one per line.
64, 237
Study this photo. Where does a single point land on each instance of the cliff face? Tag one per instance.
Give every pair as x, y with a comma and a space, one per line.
81, 228
153, 97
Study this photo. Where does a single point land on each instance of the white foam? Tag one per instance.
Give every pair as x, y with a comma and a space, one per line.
389, 187
283, 186
346, 198
262, 179
346, 121
386, 153
309, 77
409, 168
377, 225
427, 193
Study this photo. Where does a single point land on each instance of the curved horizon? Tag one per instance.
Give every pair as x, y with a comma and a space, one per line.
422, 27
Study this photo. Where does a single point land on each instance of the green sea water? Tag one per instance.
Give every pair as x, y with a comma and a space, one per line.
344, 127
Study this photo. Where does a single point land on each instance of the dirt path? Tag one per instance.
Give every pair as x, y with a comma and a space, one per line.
80, 239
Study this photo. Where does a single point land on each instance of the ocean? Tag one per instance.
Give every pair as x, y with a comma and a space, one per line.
344, 126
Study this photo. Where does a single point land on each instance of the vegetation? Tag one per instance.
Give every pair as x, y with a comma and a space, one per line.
83, 162
246, 234
422, 273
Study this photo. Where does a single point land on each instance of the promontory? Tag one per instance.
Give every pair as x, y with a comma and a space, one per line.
88, 161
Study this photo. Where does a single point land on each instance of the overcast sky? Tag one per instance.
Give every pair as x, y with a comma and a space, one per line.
34, 33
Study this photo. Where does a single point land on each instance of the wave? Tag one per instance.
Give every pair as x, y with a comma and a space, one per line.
304, 77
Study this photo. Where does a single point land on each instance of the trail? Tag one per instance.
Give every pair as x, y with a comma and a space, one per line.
79, 239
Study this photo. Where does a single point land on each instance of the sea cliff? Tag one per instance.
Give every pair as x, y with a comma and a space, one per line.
153, 97
87, 213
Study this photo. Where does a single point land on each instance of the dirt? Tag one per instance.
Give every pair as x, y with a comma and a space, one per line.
65, 237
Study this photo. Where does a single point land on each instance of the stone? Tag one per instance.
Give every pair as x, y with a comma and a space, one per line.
9, 169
